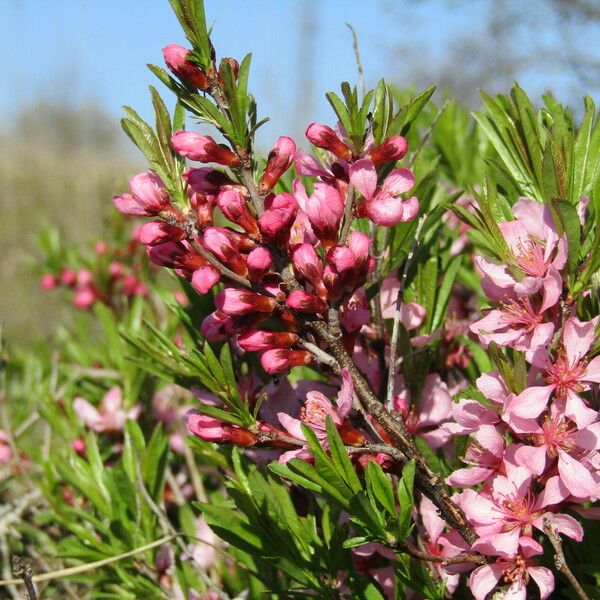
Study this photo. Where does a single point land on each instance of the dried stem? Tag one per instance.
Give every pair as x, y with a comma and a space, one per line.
361, 76
559, 558
23, 571
465, 557
348, 210
396, 327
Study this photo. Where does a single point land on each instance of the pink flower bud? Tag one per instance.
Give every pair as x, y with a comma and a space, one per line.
175, 255
100, 247
85, 297
84, 277
278, 162
276, 220
115, 270
156, 232
235, 207
341, 258
148, 196
281, 359
256, 340
216, 327
393, 148
206, 180
212, 430
78, 444
308, 266
176, 59
324, 137
232, 301
305, 302
216, 240
48, 282
259, 262
360, 244
205, 278
203, 149
68, 277
324, 210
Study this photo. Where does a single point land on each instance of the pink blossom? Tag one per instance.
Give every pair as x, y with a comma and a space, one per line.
383, 205
176, 59
567, 376
235, 207
148, 196
203, 149
412, 314
306, 302
355, 311
277, 219
5, 448
259, 262
392, 149
324, 209
515, 572
232, 301
48, 281
203, 551
281, 359
205, 278
278, 162
109, 416
324, 137
534, 246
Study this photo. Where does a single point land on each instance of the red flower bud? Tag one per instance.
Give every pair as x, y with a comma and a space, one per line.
305, 302
256, 340
234, 302
278, 162
176, 59
324, 137
281, 359
203, 149
393, 148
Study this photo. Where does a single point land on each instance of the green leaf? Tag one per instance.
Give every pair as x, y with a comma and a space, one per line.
566, 220
381, 487
405, 497
445, 291
340, 458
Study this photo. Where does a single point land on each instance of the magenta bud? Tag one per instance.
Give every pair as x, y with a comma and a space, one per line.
393, 148
281, 359
78, 444
257, 340
217, 241
176, 59
234, 302
205, 278
324, 137
202, 148
48, 282
305, 302
259, 262
206, 180
278, 162
235, 207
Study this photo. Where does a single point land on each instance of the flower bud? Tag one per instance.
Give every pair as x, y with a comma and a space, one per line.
48, 281
156, 232
176, 59
148, 196
307, 265
276, 220
393, 148
256, 340
259, 262
232, 301
305, 302
234, 206
281, 359
324, 137
210, 429
216, 241
202, 148
79, 446
278, 162
205, 278
68, 277
216, 327
206, 180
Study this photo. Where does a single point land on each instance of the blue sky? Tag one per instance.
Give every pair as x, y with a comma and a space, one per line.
96, 50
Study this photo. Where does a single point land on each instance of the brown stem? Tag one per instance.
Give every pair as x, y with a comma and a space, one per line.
348, 210
22, 570
465, 557
427, 480
559, 558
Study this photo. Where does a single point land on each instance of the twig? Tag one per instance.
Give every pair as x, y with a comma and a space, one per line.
378, 448
559, 557
14, 514
428, 133
396, 327
197, 484
12, 590
22, 570
93, 565
361, 77
348, 209
465, 557
26, 424
320, 355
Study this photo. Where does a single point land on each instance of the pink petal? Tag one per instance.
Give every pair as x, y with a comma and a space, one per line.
88, 413
554, 493
390, 210
552, 289
492, 386
433, 523
484, 579
588, 438
363, 177
531, 214
532, 457
112, 400
498, 544
345, 397
544, 579
514, 233
566, 525
575, 476
128, 205
592, 372
578, 337
398, 182
469, 477
532, 401
291, 425
577, 409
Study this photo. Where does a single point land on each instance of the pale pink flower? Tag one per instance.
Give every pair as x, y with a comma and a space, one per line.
109, 416
412, 314
383, 205
203, 551
514, 572
534, 246
568, 376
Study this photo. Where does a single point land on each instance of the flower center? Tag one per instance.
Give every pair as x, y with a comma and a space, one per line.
565, 377
313, 414
529, 257
519, 313
516, 571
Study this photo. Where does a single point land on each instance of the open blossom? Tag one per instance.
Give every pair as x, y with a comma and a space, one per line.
314, 413
109, 416
522, 323
567, 376
383, 205
508, 509
412, 314
515, 572
535, 248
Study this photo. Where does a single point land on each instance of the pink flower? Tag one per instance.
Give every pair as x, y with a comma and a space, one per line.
484, 455
203, 149
567, 376
109, 417
157, 232
305, 302
232, 301
515, 572
210, 429
176, 59
314, 413
257, 340
392, 149
234, 206
148, 196
355, 312
5, 448
383, 205
48, 281
412, 314
205, 278
521, 322
278, 162
259, 262
217, 241
324, 210
276, 220
203, 551
281, 359
534, 246
324, 137
575, 452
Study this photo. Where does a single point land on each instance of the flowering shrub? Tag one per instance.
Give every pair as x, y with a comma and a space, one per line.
378, 378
